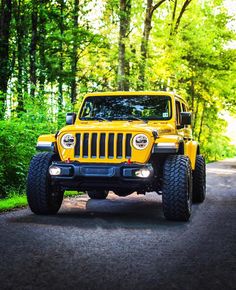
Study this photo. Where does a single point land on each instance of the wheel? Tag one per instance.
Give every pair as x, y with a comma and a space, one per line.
199, 180
177, 188
97, 194
42, 197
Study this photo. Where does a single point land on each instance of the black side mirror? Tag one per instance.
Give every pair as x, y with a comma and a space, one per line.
185, 118
70, 118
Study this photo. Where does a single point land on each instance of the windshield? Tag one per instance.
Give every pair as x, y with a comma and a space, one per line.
146, 107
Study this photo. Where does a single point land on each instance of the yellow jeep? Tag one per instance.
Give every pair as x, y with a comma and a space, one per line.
123, 142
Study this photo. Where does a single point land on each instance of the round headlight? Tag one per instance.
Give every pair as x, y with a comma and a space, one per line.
68, 141
140, 141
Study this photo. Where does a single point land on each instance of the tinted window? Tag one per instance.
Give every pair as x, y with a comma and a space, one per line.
178, 110
127, 107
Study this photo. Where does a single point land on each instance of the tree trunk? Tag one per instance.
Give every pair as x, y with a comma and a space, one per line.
123, 67
74, 59
5, 20
150, 8
33, 45
183, 9
173, 18
41, 40
201, 122
60, 79
20, 56
195, 113
192, 95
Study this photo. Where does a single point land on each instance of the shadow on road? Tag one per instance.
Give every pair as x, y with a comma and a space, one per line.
108, 214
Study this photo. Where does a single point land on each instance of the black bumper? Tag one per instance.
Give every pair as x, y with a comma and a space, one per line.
107, 176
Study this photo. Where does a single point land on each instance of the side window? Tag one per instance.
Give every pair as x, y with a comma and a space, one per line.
178, 110
183, 108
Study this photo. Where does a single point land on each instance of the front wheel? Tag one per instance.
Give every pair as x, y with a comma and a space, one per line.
43, 198
97, 194
177, 188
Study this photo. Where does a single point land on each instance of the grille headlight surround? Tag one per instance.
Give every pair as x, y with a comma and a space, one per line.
68, 141
140, 141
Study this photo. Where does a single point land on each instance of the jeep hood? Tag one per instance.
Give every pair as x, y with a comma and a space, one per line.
118, 126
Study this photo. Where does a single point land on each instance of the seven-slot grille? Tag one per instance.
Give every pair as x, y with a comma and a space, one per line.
103, 145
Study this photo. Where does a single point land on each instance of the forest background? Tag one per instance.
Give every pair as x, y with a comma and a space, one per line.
53, 52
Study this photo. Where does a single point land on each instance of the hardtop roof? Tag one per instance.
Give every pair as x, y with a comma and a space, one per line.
133, 93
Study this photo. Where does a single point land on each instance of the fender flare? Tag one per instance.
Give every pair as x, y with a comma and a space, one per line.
191, 149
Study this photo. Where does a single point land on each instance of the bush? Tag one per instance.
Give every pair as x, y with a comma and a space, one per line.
18, 138
217, 149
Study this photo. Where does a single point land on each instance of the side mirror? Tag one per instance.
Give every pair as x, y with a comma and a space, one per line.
70, 118
185, 118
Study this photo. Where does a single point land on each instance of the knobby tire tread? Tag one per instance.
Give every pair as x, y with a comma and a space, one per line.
176, 187
199, 180
38, 185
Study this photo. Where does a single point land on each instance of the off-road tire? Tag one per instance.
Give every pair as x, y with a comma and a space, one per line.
43, 198
177, 188
97, 194
199, 180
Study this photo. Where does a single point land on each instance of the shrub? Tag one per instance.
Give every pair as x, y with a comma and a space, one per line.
18, 138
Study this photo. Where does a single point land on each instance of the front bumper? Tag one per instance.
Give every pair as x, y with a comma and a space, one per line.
107, 176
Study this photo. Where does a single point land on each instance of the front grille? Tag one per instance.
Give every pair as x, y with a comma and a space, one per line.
103, 145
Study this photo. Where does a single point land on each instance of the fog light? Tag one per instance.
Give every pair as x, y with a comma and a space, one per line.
54, 170
143, 172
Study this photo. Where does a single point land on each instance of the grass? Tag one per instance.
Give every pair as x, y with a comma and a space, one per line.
14, 201
18, 201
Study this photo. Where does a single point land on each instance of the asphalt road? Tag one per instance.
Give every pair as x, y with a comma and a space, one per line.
124, 243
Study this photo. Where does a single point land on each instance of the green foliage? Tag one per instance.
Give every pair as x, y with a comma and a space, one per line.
218, 149
13, 201
18, 137
214, 144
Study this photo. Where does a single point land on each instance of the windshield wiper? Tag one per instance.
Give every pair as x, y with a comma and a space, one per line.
127, 117
101, 119
136, 118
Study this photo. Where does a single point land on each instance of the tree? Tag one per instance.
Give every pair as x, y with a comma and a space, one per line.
74, 58
123, 66
150, 8
33, 47
5, 20
42, 41
20, 40
176, 22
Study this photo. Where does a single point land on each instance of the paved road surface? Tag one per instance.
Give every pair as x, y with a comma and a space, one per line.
124, 243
